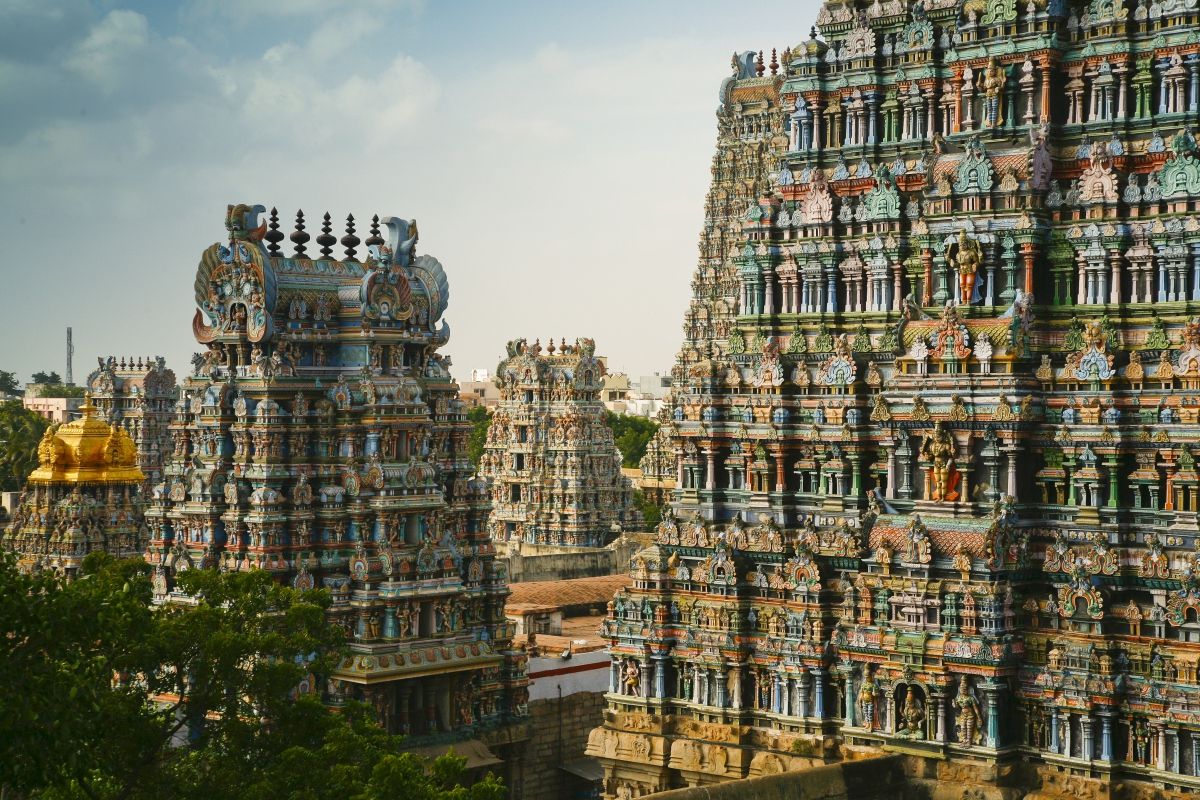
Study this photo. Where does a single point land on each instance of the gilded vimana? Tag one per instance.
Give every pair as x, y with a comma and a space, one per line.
913, 513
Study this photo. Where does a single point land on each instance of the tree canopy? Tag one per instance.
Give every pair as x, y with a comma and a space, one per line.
632, 434
481, 420
104, 695
8, 383
20, 432
45, 377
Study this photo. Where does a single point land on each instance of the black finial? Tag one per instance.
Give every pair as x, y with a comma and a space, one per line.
299, 236
374, 239
273, 235
350, 241
327, 240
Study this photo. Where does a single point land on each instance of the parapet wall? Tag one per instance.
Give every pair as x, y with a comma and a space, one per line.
880, 778
549, 563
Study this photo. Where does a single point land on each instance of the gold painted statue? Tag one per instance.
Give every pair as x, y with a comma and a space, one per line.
939, 449
969, 719
913, 715
993, 81
966, 257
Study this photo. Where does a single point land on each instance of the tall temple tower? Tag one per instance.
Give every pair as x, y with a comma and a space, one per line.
935, 414
320, 438
554, 471
85, 495
139, 395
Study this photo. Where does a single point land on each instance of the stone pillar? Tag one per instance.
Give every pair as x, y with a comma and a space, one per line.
1089, 744
1175, 751
710, 473
1106, 748
849, 714
1055, 743
1160, 755
802, 695
647, 669
818, 692
938, 717
660, 677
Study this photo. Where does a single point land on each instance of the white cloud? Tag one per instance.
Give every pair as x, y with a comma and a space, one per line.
114, 45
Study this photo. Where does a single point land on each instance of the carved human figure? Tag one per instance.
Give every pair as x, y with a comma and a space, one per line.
993, 79
913, 715
969, 719
939, 449
965, 256
631, 680
866, 701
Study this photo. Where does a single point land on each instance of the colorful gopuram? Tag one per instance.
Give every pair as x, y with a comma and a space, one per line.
140, 395
554, 471
936, 414
320, 437
85, 495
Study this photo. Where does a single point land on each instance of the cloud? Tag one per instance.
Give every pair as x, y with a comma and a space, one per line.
112, 47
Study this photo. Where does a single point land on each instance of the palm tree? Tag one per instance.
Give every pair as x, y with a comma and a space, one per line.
20, 432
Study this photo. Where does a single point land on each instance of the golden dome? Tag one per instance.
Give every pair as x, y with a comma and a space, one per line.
87, 450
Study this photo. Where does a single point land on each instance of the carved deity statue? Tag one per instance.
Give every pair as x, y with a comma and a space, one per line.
866, 701
939, 449
965, 256
913, 715
970, 721
992, 80
631, 679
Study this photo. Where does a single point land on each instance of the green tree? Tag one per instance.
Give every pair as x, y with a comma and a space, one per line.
103, 695
60, 390
45, 377
632, 434
20, 432
481, 420
650, 510
8, 383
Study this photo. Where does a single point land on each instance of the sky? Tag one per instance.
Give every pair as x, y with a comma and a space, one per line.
555, 154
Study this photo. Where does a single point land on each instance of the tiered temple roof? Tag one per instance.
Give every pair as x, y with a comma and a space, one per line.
320, 437
934, 413
554, 471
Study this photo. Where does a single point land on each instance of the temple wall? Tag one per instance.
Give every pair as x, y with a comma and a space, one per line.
550, 563
560, 732
868, 779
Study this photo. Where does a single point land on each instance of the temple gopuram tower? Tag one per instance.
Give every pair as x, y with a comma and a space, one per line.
140, 395
85, 495
554, 471
320, 437
935, 414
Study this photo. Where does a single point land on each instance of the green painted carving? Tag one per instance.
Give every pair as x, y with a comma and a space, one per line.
1073, 341
887, 342
758, 342
999, 11
737, 344
824, 341
1157, 339
975, 172
798, 344
883, 201
1180, 176
862, 340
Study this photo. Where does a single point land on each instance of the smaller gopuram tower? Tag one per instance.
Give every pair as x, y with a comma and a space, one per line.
138, 394
320, 438
554, 471
85, 495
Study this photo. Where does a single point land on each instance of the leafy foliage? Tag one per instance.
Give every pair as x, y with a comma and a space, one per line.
650, 510
45, 377
8, 383
481, 420
105, 696
20, 432
632, 434
60, 390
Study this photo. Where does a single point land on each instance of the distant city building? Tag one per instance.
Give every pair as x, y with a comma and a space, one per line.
139, 394
85, 495
55, 409
480, 390
320, 438
614, 391
553, 468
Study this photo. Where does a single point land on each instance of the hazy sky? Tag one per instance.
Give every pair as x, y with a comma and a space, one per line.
556, 155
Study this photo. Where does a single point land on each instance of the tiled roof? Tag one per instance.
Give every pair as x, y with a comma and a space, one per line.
946, 534
575, 592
